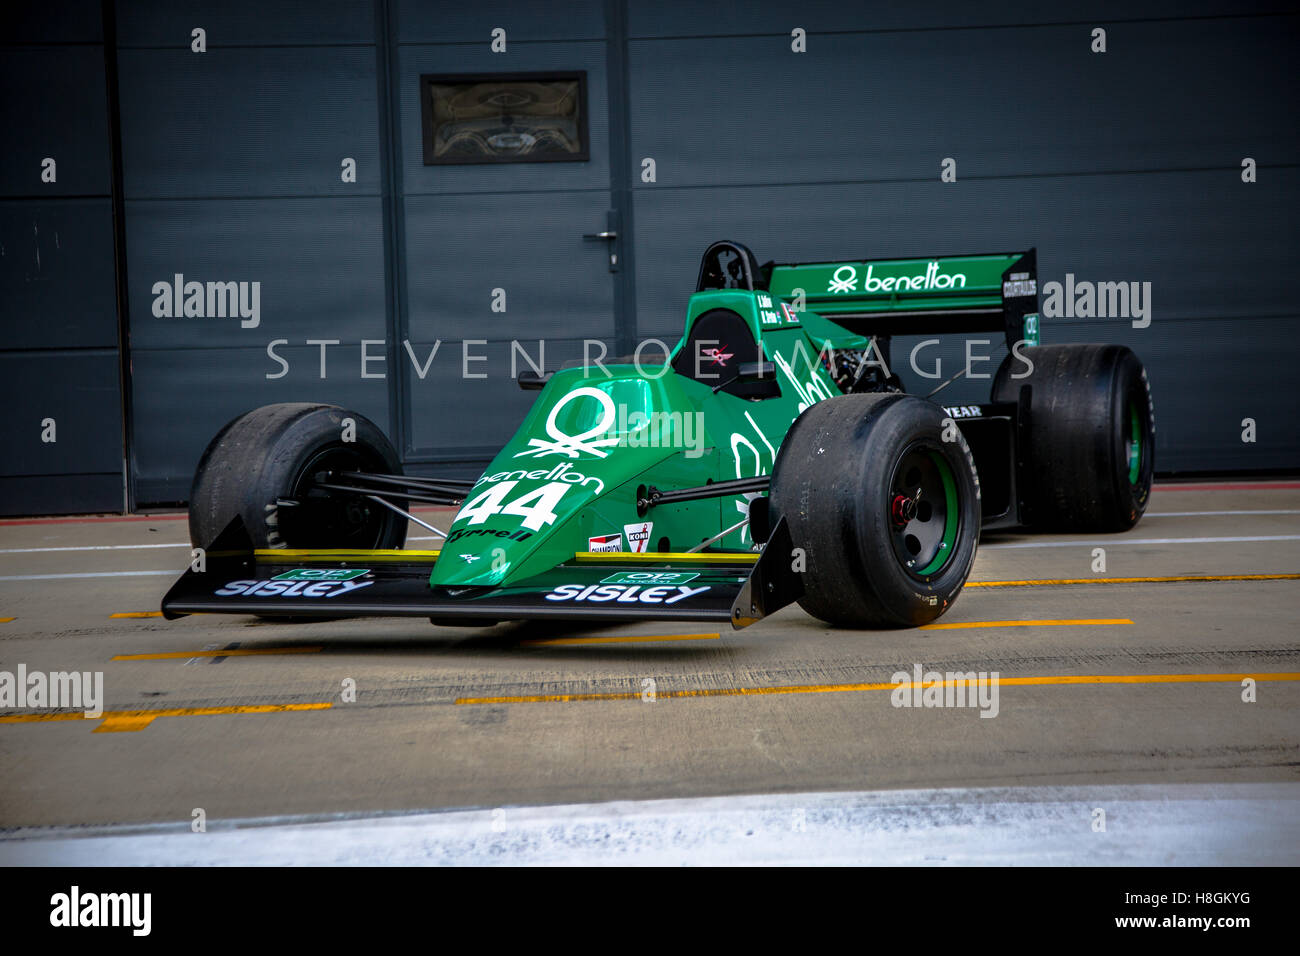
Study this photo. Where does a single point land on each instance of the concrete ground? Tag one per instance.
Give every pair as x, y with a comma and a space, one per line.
1104, 683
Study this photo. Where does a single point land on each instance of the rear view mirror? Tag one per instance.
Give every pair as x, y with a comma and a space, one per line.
530, 381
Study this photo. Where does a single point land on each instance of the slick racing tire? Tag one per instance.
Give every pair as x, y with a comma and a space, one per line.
883, 501
269, 457
1089, 440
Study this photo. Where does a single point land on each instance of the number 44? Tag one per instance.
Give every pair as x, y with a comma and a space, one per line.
537, 507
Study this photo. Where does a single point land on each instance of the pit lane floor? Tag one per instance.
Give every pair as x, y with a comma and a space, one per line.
1116, 687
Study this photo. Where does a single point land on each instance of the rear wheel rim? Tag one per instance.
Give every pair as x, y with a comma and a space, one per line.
1133, 445
333, 519
923, 510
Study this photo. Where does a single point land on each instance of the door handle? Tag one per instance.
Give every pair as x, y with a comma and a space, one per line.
610, 235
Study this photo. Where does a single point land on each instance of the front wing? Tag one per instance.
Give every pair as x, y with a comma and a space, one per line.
236, 579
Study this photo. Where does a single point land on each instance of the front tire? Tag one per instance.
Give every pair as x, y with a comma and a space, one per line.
884, 502
271, 455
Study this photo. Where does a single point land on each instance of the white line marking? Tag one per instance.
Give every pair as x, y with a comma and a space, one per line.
1199, 514
200, 660
136, 547
94, 547
434, 537
1182, 824
87, 574
1118, 541
1044, 544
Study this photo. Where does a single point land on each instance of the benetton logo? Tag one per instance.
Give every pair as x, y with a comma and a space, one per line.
845, 279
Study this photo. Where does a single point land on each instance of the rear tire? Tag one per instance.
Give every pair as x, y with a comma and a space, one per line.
1089, 442
886, 511
271, 453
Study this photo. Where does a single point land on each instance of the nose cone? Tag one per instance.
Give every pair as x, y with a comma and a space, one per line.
508, 515
581, 441
534, 513
479, 560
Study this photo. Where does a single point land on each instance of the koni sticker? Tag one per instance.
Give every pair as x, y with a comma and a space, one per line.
638, 536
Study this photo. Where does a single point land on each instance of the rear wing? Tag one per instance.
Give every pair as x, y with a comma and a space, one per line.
954, 294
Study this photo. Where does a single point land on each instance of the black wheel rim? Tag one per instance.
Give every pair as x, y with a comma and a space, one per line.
333, 519
922, 505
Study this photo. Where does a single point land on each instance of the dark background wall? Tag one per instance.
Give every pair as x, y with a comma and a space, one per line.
59, 354
232, 172
1122, 166
1117, 166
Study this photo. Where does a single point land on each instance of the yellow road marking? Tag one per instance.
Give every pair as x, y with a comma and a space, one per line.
664, 557
1047, 582
852, 688
114, 721
233, 652
279, 555
646, 639
137, 614
6, 620
958, 625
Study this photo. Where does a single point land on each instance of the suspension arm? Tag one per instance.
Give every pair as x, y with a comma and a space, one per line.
446, 485
650, 497
424, 497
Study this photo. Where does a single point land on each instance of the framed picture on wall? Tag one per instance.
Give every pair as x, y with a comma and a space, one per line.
504, 118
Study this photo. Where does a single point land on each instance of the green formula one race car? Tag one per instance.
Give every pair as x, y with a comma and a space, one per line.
772, 458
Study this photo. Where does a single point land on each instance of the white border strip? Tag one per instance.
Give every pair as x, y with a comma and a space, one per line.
88, 574
1146, 825
1204, 514
93, 547
1119, 542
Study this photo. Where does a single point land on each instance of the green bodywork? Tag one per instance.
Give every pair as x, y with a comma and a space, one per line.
594, 436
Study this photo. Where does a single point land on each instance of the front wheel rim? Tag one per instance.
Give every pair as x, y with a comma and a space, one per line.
330, 519
923, 511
